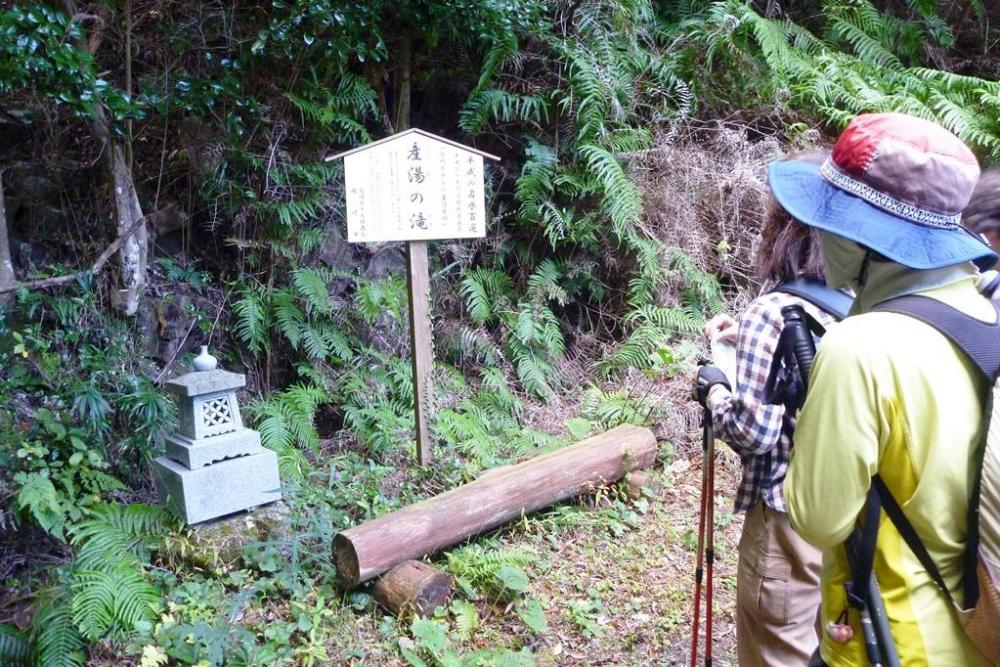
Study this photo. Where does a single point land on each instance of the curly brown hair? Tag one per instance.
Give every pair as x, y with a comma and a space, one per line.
789, 249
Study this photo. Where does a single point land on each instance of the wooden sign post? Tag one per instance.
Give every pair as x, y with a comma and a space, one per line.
415, 186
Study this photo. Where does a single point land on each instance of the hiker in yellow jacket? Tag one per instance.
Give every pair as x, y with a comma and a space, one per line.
889, 395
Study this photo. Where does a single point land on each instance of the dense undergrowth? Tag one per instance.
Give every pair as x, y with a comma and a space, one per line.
223, 118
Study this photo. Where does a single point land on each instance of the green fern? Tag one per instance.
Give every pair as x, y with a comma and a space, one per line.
476, 346
858, 65
621, 201
286, 421
116, 597
376, 298
610, 87
479, 568
252, 321
58, 642
497, 105
38, 497
614, 408
487, 293
338, 112
311, 285
100, 483
131, 533
288, 316
16, 649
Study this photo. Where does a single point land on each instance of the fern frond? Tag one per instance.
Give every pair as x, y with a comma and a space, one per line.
286, 419
312, 286
621, 202
288, 316
16, 649
674, 320
865, 46
100, 483
123, 532
475, 345
544, 283
502, 50
58, 642
535, 373
252, 321
116, 597
610, 409
501, 106
486, 292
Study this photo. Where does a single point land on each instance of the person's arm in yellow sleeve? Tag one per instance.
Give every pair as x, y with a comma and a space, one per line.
836, 442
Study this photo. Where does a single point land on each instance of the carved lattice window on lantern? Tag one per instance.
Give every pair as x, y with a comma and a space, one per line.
217, 416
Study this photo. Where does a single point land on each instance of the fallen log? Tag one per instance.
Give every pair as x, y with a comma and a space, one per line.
413, 588
367, 550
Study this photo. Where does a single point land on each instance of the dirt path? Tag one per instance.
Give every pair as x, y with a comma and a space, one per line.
616, 586
640, 584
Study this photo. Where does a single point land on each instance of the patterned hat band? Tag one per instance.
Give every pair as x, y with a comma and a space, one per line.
841, 179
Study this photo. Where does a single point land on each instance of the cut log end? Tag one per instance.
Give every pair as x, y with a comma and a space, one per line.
346, 557
413, 588
638, 480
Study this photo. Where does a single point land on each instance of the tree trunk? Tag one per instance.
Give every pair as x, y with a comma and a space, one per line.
7, 276
128, 211
413, 588
135, 249
368, 550
403, 84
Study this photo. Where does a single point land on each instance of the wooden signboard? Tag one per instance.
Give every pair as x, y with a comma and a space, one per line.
415, 186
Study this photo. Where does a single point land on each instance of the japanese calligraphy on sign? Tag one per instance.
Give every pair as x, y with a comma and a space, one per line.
414, 186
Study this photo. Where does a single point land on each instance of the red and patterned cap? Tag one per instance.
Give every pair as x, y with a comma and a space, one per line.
894, 183
907, 166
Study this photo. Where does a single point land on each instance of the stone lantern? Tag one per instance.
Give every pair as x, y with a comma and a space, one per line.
213, 465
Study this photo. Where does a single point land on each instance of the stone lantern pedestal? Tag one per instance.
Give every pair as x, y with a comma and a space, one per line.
214, 465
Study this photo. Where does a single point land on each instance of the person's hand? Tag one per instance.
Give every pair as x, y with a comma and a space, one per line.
707, 378
722, 328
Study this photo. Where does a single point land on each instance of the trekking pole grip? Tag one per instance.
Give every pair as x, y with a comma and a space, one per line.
803, 345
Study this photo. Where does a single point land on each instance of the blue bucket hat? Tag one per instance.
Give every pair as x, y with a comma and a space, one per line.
895, 184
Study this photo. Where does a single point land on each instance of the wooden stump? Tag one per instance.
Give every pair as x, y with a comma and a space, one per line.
641, 479
367, 550
413, 588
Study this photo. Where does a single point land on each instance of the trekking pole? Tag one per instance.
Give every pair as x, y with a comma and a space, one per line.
863, 592
698, 569
710, 529
706, 517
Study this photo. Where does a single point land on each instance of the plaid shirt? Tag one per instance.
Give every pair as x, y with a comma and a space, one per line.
743, 419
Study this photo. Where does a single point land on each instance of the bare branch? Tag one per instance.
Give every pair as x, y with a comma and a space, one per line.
102, 259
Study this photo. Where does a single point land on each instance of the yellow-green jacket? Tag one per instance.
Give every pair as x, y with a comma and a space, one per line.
890, 395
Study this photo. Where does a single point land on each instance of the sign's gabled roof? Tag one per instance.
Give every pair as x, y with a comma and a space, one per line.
413, 130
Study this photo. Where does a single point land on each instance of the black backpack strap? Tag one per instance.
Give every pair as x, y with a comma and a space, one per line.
909, 534
816, 292
979, 340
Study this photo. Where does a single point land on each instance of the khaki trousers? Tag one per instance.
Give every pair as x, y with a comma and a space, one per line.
777, 592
